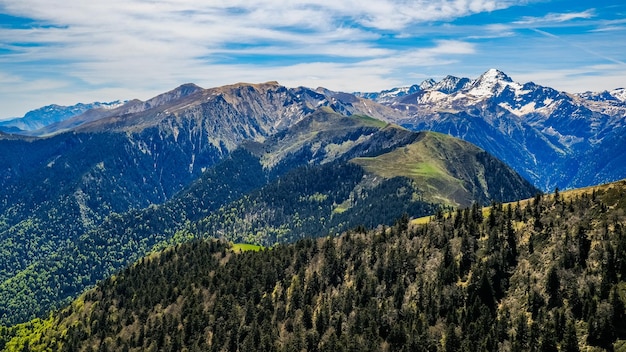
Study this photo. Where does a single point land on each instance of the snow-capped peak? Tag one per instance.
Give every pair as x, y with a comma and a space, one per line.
493, 73
489, 82
451, 84
399, 92
427, 84
616, 95
619, 93
390, 94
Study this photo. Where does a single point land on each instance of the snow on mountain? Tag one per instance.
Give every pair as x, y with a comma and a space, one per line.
620, 94
390, 94
451, 84
491, 82
427, 84
551, 137
598, 96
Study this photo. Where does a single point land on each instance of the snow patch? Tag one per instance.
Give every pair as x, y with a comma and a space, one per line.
193, 161
619, 93
433, 96
566, 140
526, 109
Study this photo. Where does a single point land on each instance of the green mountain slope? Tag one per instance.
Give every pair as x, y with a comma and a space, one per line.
312, 202
545, 274
449, 171
432, 172
79, 262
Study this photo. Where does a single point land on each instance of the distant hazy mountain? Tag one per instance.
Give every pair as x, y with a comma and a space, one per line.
555, 139
50, 114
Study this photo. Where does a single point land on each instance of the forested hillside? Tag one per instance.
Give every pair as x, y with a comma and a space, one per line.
120, 239
547, 274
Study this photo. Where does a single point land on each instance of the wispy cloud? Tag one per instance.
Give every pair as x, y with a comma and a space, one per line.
609, 29
582, 48
553, 18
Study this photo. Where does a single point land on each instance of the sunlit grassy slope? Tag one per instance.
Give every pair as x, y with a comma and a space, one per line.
244, 247
431, 162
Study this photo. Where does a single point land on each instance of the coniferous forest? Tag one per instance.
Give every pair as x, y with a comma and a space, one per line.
545, 274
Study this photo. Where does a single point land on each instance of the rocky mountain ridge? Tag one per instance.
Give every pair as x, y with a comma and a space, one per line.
552, 138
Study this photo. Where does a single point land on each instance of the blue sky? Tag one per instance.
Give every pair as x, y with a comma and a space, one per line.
70, 51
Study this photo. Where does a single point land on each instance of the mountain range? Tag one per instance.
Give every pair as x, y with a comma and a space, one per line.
552, 138
261, 163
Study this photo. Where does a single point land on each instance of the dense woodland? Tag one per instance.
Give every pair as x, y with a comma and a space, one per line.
546, 274
83, 258
312, 202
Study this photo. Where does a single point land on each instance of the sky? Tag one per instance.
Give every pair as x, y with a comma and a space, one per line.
70, 51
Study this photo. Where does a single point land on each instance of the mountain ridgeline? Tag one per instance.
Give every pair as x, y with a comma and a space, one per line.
552, 138
544, 274
51, 114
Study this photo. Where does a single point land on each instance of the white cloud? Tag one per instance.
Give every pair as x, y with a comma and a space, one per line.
553, 18
609, 29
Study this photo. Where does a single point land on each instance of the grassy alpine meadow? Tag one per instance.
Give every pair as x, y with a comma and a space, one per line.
245, 247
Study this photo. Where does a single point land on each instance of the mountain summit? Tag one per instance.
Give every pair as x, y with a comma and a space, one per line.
489, 83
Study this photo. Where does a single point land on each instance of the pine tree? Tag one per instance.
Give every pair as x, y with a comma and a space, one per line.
570, 340
553, 287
